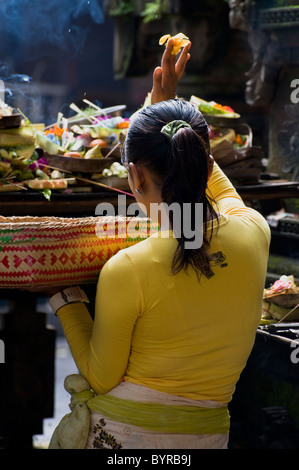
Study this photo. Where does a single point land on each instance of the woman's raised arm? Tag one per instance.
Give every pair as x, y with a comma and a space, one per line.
166, 76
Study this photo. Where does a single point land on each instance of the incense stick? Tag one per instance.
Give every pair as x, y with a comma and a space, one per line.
291, 311
100, 110
103, 111
8, 179
89, 118
112, 150
96, 183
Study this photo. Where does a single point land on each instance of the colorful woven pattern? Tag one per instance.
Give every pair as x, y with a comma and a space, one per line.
48, 251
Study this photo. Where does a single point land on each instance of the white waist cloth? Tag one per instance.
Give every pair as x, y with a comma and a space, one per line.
105, 433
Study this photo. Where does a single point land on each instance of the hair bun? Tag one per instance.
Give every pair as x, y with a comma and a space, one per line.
171, 128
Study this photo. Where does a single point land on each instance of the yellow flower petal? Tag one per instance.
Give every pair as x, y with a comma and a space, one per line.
181, 36
176, 50
164, 39
179, 40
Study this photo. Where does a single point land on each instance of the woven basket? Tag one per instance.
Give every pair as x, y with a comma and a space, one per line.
48, 251
278, 312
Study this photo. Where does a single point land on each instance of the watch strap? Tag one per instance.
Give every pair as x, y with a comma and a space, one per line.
67, 296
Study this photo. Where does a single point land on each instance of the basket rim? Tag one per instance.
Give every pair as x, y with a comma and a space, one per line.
51, 222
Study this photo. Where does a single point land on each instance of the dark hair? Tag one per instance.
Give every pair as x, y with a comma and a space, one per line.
180, 165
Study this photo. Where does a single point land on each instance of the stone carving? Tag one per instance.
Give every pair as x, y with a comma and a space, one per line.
238, 14
272, 30
267, 62
288, 138
266, 51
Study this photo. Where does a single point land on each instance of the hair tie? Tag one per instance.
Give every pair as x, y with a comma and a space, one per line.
171, 128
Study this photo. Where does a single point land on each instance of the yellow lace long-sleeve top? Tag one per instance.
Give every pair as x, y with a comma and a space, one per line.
171, 332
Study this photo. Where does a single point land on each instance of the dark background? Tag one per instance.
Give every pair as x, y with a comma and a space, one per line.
49, 57
55, 53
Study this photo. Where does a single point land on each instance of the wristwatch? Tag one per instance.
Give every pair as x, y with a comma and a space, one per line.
67, 296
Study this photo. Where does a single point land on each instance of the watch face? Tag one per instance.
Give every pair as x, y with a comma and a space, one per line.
64, 296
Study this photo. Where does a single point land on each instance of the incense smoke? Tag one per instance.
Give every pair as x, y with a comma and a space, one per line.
49, 22
18, 90
34, 29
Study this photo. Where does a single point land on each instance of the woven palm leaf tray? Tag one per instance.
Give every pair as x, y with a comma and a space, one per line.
281, 300
48, 251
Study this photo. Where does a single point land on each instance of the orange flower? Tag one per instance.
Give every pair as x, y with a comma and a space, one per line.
238, 140
179, 40
224, 108
123, 125
58, 131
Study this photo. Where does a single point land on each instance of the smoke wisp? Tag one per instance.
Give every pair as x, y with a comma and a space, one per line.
49, 22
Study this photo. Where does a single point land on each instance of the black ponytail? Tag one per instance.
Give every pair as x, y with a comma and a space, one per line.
180, 163
186, 182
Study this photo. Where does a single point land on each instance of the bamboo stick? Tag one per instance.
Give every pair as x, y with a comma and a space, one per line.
86, 180
289, 313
